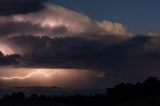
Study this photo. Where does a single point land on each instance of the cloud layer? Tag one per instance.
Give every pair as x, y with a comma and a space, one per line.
86, 52
130, 59
54, 21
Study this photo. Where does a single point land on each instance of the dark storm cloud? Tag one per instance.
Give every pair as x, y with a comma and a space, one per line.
11, 28
9, 59
106, 53
11, 7
17, 28
67, 51
121, 59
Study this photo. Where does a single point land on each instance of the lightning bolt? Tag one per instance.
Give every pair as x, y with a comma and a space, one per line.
27, 76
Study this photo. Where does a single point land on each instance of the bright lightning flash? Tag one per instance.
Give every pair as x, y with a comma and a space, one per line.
30, 75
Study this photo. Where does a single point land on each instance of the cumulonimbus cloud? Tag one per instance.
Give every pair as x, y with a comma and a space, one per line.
57, 21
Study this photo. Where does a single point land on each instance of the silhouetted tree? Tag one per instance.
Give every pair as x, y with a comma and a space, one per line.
18, 95
34, 96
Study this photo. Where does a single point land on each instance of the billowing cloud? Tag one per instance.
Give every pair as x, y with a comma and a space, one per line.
113, 28
56, 21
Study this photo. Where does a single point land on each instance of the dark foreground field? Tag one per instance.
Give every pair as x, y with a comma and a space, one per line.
146, 93
145, 101
30, 103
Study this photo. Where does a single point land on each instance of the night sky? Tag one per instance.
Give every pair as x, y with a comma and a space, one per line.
59, 43
138, 15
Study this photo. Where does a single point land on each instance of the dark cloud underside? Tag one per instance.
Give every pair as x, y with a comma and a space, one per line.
12, 7
134, 57
127, 54
9, 60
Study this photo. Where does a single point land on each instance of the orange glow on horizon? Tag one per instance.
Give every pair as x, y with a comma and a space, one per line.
26, 77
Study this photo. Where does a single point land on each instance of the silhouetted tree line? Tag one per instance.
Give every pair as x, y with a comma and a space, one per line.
128, 91
113, 96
